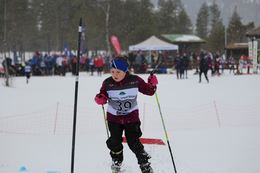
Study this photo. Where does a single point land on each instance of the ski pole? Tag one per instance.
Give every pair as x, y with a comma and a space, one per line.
165, 131
105, 120
164, 127
76, 99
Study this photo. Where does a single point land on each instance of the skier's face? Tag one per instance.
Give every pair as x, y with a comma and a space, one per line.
117, 75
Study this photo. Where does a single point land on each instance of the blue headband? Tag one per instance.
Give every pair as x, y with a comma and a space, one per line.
120, 65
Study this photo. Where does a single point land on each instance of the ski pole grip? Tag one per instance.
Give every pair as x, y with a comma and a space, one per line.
155, 68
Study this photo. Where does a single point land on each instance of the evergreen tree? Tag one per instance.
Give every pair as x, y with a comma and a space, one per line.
2, 6
98, 21
216, 39
172, 17
107, 11
53, 18
202, 21
20, 25
215, 13
167, 16
137, 25
130, 17
31, 38
47, 18
235, 31
48, 25
184, 25
17, 25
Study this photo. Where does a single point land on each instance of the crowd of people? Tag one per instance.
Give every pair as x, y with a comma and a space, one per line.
56, 64
139, 62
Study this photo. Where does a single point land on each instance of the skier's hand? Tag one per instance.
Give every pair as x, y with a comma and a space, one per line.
152, 79
100, 99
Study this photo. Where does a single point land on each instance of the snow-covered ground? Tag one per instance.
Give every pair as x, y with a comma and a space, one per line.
212, 128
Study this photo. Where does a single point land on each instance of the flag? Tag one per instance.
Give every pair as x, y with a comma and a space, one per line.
116, 44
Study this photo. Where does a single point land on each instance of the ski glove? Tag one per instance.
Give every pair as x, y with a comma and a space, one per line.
152, 79
100, 99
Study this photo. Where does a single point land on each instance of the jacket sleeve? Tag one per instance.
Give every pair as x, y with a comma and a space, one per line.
103, 89
145, 88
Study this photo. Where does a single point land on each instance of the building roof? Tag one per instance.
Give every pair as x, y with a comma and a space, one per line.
183, 38
153, 43
254, 33
237, 46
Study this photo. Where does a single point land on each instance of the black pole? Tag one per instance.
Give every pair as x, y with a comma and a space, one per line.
76, 99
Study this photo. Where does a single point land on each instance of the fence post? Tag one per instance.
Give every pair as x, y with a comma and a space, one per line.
56, 118
217, 114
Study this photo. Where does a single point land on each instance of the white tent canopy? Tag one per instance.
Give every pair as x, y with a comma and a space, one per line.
153, 43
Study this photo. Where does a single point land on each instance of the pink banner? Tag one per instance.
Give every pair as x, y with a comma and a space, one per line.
116, 44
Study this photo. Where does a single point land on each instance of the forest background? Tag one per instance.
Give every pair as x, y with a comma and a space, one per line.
47, 25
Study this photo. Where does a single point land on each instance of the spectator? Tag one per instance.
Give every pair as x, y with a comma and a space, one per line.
177, 63
186, 62
203, 67
99, 64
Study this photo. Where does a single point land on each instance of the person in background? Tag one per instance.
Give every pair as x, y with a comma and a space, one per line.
186, 65
92, 65
99, 64
27, 72
177, 63
203, 64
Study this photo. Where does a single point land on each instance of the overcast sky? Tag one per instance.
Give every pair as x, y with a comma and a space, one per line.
226, 7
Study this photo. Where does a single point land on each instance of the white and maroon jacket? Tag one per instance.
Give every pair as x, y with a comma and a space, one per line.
122, 98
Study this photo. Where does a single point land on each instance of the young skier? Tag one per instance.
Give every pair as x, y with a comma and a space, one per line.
27, 71
120, 92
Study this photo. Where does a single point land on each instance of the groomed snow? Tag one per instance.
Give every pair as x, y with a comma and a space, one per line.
212, 128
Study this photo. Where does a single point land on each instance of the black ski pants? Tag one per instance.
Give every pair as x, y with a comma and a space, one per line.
205, 72
132, 133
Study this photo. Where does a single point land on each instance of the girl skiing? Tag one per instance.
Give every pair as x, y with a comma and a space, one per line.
120, 92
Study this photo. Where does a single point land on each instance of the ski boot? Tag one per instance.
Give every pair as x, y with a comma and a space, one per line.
117, 159
116, 166
146, 168
144, 156
145, 165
